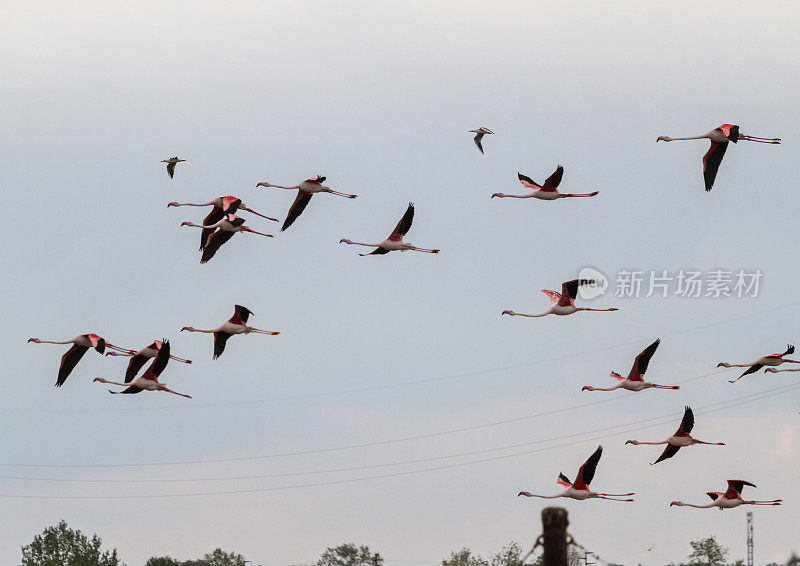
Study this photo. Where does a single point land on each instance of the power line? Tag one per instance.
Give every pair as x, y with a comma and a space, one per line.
350, 446
352, 480
661, 420
397, 384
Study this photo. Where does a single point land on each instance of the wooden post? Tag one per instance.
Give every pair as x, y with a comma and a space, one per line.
554, 531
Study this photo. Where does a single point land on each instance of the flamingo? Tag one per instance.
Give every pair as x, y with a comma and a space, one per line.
171, 162
719, 143
547, 191
305, 190
635, 380
237, 324
225, 229
148, 381
80, 345
731, 498
678, 440
222, 206
563, 303
768, 360
139, 357
479, 133
395, 240
580, 489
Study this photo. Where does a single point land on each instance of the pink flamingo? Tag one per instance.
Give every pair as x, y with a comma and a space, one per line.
635, 380
547, 191
563, 303
678, 440
731, 498
719, 143
580, 489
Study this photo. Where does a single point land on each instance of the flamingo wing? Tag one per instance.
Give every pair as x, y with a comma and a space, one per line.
378, 251
731, 131
214, 243
735, 488
231, 204
714, 495
171, 169
570, 288
752, 369
552, 182
554, 297
404, 225
134, 365
240, 314
586, 472
668, 452
711, 162
527, 182
789, 350
220, 339
131, 389
69, 361
642, 361
563, 480
161, 361
687, 424
297, 208
213, 217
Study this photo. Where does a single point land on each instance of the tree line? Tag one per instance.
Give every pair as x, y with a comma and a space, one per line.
60, 545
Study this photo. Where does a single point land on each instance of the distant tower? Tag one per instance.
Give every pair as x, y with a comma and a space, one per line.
749, 538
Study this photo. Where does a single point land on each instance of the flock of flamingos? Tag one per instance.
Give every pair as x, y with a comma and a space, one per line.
222, 223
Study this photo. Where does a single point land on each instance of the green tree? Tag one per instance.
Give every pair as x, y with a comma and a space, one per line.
574, 557
464, 557
349, 555
708, 551
163, 561
62, 546
509, 555
221, 558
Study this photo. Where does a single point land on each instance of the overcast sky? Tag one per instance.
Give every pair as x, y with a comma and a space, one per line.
379, 97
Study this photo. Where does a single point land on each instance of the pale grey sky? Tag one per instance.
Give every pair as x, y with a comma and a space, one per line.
379, 97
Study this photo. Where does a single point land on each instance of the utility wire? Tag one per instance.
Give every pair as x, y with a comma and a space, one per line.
365, 478
654, 422
350, 446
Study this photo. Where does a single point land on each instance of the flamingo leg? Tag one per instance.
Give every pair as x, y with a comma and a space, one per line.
177, 359
176, 393
269, 332
258, 213
666, 386
416, 249
341, 194
259, 233
570, 195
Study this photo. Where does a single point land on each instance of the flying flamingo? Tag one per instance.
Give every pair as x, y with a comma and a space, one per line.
580, 489
768, 360
678, 440
237, 324
563, 303
222, 206
547, 191
80, 345
635, 380
305, 190
395, 240
139, 357
171, 162
479, 133
225, 229
731, 498
148, 381
719, 143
